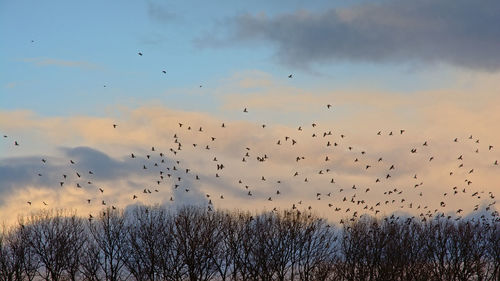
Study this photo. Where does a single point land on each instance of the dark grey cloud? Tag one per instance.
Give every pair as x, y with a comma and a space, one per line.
19, 172
102, 166
458, 32
23, 171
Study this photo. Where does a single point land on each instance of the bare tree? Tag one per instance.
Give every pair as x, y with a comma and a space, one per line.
223, 256
194, 229
108, 232
53, 238
18, 241
317, 251
171, 264
492, 250
8, 260
191, 243
90, 260
149, 244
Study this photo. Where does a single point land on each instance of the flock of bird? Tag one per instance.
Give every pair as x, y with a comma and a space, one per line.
170, 172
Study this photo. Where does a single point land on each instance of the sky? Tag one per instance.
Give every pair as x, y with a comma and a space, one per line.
69, 70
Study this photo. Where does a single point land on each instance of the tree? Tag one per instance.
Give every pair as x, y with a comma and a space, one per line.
108, 232
194, 239
55, 239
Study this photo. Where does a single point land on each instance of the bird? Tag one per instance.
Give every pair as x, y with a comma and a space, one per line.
290, 76
139, 53
164, 72
114, 126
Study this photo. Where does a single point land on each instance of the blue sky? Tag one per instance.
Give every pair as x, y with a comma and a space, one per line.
99, 41
107, 35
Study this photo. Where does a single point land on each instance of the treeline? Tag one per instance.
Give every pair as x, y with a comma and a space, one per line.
153, 243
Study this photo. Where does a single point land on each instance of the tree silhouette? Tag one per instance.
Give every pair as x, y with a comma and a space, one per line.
193, 243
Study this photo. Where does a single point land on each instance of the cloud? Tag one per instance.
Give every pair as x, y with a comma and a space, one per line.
32, 171
435, 117
28, 179
461, 33
61, 63
20, 171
